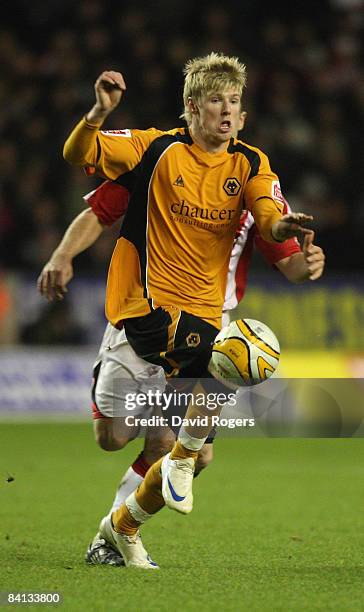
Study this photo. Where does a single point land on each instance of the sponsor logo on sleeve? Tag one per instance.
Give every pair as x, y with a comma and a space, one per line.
277, 193
124, 133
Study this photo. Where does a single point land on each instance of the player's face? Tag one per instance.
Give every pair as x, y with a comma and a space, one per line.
217, 118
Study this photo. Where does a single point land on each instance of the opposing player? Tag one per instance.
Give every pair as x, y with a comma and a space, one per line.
177, 248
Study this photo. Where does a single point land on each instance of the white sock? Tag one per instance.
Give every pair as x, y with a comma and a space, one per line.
129, 482
194, 444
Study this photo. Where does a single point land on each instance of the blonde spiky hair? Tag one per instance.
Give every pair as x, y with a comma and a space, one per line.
212, 73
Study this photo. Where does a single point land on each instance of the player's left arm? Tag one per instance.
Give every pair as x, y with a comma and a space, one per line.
263, 197
308, 264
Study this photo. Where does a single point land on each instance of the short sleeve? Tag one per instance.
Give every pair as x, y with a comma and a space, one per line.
109, 202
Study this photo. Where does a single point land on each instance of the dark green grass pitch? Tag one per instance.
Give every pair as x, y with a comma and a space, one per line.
277, 525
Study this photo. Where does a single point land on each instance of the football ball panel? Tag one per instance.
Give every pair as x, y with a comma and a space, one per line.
265, 369
260, 335
237, 357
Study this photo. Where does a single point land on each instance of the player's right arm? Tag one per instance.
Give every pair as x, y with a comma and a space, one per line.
109, 88
296, 264
306, 265
81, 147
107, 203
111, 152
58, 271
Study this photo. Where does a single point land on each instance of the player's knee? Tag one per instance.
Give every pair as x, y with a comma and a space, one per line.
156, 449
205, 456
107, 437
108, 442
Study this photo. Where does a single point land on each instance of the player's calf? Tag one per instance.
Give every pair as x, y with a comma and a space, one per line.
157, 444
204, 458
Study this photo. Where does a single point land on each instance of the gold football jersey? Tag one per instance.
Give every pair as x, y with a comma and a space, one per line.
185, 204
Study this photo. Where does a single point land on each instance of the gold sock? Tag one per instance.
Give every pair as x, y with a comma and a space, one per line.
149, 493
181, 452
149, 498
124, 522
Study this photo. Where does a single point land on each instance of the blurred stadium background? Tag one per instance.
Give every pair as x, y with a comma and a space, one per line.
305, 103
291, 507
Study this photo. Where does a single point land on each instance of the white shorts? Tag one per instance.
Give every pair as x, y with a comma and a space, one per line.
118, 373
225, 318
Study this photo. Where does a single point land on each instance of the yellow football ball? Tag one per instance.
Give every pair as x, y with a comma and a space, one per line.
245, 352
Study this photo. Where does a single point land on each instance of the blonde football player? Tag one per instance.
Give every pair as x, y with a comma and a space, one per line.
116, 359
167, 277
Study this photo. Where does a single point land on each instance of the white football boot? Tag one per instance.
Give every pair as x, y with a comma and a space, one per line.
177, 477
130, 547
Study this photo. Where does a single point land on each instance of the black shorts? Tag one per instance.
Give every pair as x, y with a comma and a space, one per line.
178, 341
